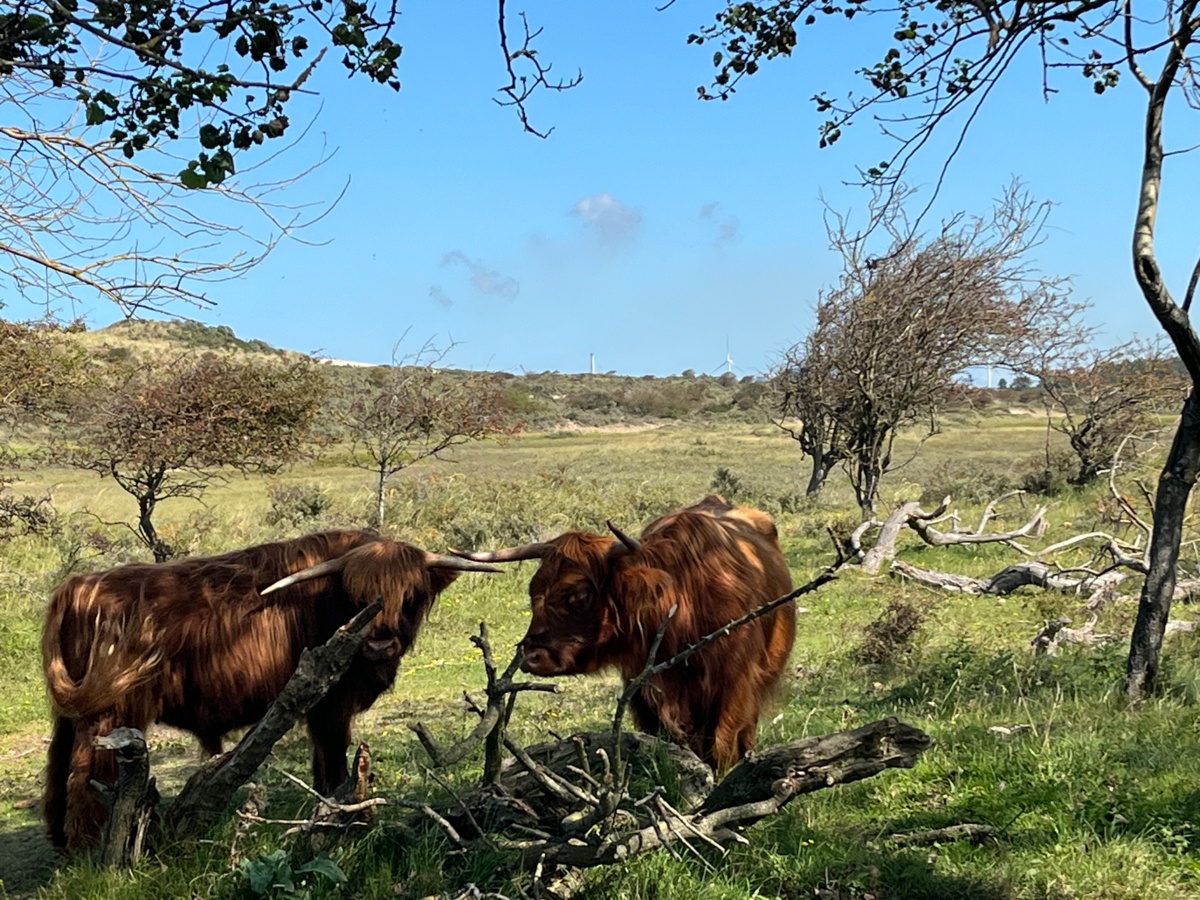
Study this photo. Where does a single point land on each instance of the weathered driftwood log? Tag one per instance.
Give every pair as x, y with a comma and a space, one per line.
910, 514
133, 800
885, 546
210, 790
781, 773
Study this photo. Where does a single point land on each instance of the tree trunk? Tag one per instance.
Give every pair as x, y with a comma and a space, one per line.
821, 465
379, 489
146, 504
1175, 484
1183, 462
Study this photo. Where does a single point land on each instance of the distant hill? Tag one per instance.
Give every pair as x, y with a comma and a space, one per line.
141, 336
543, 400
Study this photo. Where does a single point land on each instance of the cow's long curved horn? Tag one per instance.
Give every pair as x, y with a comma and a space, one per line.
459, 564
329, 567
631, 542
536, 550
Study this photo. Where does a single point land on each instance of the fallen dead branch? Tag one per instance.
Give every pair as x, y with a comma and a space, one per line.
885, 545
546, 832
210, 790
759, 786
1058, 632
546, 829
1007, 580
501, 694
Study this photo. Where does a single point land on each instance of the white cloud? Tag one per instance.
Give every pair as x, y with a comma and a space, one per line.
610, 220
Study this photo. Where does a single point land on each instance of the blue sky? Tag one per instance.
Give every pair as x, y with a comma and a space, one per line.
650, 228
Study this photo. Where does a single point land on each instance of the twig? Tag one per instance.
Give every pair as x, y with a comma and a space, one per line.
449, 830
501, 693
466, 810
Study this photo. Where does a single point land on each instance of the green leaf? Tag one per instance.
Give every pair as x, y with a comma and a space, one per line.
268, 871
323, 865
192, 179
210, 137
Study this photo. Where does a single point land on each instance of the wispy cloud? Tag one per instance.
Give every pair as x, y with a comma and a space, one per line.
440, 297
727, 223
484, 279
612, 222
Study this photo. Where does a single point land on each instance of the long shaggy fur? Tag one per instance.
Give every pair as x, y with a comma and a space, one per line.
191, 643
598, 605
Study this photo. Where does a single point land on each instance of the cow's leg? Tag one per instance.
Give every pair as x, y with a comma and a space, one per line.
54, 791
329, 729
85, 810
746, 739
645, 716
732, 739
210, 744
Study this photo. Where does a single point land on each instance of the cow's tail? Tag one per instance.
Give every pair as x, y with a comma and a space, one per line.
113, 657
58, 768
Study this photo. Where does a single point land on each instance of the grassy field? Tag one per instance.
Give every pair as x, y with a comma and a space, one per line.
1090, 800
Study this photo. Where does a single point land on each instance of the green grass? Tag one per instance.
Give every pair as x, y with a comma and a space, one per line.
1090, 800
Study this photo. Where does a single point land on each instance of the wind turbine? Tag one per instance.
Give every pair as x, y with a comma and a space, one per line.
728, 364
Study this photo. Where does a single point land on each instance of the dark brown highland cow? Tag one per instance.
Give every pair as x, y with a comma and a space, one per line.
598, 602
195, 644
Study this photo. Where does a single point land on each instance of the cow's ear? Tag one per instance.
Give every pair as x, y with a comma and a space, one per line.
644, 589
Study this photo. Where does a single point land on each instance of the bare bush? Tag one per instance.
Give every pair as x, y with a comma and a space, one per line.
891, 635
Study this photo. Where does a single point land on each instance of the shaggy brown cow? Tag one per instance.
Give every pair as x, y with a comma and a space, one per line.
598, 602
194, 644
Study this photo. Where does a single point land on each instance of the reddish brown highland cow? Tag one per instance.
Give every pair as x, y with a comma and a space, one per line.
195, 644
598, 602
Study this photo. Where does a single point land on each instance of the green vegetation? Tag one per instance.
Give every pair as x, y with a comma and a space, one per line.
1089, 800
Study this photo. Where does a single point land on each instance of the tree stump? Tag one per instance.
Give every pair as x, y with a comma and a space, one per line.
133, 801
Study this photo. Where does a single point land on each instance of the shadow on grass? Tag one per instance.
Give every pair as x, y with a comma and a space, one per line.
840, 869
27, 861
